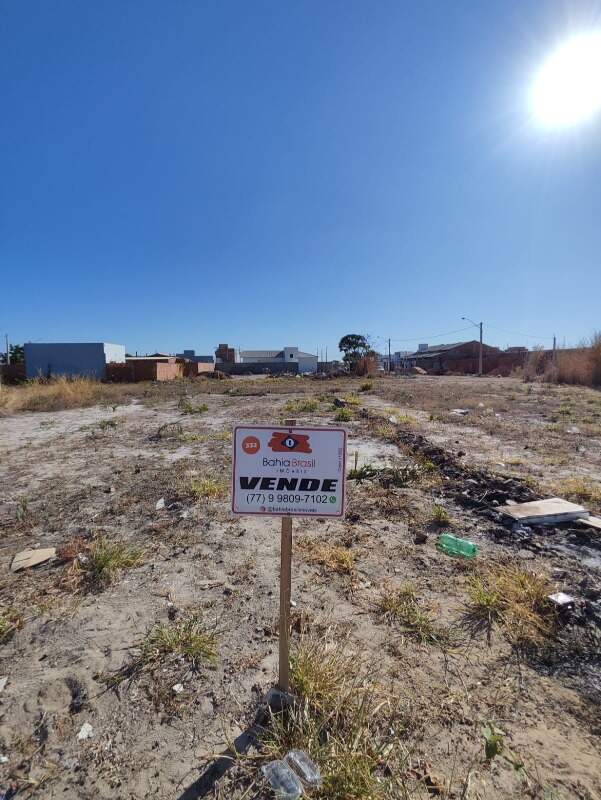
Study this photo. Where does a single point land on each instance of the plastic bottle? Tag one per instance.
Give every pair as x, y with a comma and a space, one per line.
282, 780
305, 767
455, 546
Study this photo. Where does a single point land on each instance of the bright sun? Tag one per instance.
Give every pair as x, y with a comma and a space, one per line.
567, 88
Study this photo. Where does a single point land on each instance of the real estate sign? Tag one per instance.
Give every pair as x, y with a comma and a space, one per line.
296, 472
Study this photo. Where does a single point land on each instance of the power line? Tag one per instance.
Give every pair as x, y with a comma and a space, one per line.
515, 333
427, 336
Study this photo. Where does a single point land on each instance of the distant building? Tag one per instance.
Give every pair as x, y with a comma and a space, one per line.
398, 360
290, 357
190, 355
71, 359
456, 357
225, 354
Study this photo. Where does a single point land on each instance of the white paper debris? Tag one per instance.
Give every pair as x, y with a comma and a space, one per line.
85, 732
562, 599
160, 504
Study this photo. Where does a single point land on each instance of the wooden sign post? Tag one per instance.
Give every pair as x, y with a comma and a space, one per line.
285, 593
286, 471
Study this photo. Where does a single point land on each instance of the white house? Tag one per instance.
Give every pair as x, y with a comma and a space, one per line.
288, 355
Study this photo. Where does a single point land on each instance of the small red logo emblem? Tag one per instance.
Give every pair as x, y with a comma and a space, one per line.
251, 445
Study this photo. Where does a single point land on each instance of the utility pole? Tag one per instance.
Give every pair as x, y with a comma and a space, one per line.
326, 354
554, 349
476, 325
7, 349
389, 361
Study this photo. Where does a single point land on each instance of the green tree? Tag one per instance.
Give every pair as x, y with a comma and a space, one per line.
354, 346
17, 354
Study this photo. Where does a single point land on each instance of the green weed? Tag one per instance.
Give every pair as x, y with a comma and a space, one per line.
186, 406
209, 488
305, 405
440, 516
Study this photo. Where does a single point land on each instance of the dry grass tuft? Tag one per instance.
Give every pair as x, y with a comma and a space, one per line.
60, 393
402, 606
580, 490
189, 640
305, 405
517, 600
349, 726
333, 556
165, 649
98, 563
10, 622
209, 488
222, 436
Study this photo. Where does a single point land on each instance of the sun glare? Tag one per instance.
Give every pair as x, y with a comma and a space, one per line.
567, 88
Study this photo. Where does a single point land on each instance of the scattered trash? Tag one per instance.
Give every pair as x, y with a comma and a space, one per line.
573, 429
455, 546
178, 688
278, 700
293, 603
339, 403
460, 412
305, 767
518, 527
160, 504
85, 732
282, 780
562, 599
3, 759
31, 558
545, 512
420, 538
3, 682
10, 792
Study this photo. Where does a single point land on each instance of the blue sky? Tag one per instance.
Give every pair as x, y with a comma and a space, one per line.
178, 174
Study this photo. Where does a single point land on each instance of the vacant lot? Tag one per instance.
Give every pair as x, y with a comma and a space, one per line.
419, 675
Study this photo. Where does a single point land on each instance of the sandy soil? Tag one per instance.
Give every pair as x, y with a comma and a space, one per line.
83, 473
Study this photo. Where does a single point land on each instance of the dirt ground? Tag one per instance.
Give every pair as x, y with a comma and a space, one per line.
70, 645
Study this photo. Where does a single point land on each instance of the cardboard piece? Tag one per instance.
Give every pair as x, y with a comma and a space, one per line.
30, 558
591, 522
545, 512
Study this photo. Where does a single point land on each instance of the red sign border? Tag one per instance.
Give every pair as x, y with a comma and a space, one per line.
290, 430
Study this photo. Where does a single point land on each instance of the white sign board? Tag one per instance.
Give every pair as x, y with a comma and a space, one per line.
296, 472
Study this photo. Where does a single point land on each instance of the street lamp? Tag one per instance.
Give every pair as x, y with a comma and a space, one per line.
477, 325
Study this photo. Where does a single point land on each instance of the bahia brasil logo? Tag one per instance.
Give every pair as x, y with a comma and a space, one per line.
289, 442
